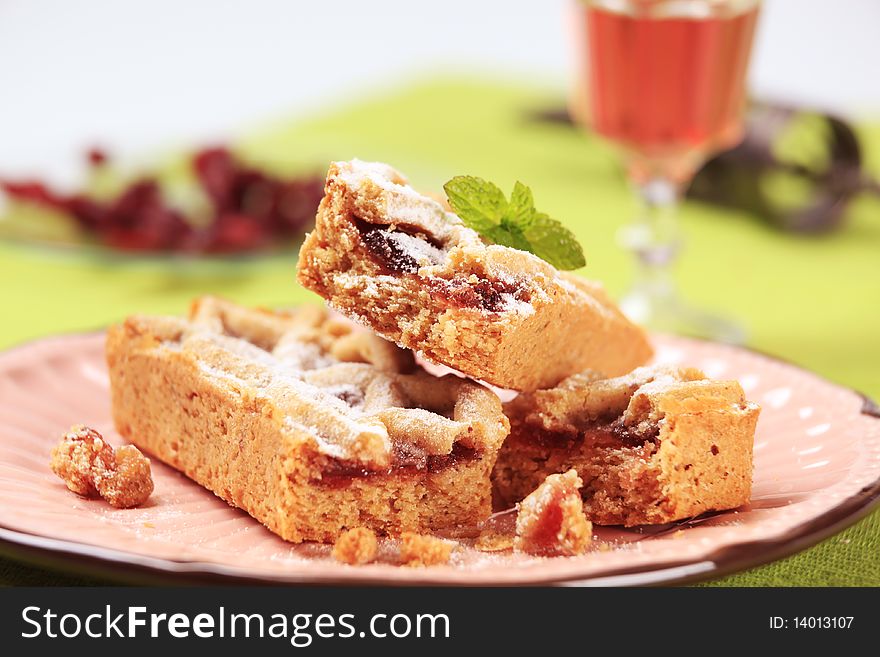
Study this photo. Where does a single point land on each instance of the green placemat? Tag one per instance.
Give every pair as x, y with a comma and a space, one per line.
809, 300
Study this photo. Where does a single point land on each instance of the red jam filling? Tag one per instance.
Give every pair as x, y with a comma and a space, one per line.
341, 474
390, 253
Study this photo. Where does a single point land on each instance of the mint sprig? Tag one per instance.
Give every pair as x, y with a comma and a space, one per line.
516, 223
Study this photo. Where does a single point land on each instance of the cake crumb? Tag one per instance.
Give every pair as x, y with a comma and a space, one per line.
356, 546
90, 467
418, 550
551, 520
493, 541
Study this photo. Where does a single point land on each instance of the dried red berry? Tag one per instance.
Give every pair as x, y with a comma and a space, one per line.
250, 208
236, 232
215, 170
97, 157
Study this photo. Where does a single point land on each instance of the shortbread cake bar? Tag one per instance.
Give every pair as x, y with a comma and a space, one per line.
401, 264
654, 446
308, 423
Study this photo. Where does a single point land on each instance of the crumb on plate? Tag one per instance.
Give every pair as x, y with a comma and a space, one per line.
90, 467
491, 540
421, 550
551, 520
356, 546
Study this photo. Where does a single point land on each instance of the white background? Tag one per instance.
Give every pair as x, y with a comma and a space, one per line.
144, 74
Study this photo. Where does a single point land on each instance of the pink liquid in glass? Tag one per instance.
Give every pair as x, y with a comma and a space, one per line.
669, 89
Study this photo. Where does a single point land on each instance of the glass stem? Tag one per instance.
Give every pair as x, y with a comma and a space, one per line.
655, 240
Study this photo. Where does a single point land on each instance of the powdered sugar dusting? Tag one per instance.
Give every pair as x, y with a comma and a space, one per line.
422, 251
510, 304
299, 355
345, 432
402, 203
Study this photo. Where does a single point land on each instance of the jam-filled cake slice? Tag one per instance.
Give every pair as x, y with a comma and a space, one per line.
655, 446
401, 264
310, 424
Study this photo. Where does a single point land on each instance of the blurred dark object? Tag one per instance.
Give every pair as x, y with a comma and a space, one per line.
796, 169
242, 208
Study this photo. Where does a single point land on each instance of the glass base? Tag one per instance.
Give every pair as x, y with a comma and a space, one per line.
667, 313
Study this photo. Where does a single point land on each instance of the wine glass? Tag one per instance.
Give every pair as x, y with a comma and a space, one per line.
664, 80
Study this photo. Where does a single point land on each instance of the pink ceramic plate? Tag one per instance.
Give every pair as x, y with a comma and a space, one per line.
817, 469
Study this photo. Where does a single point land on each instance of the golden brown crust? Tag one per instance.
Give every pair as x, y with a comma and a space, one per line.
90, 467
550, 521
308, 445
417, 550
397, 262
308, 331
356, 546
655, 446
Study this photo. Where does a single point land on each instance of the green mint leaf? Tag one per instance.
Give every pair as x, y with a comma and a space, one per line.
483, 207
554, 243
511, 235
479, 203
521, 209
